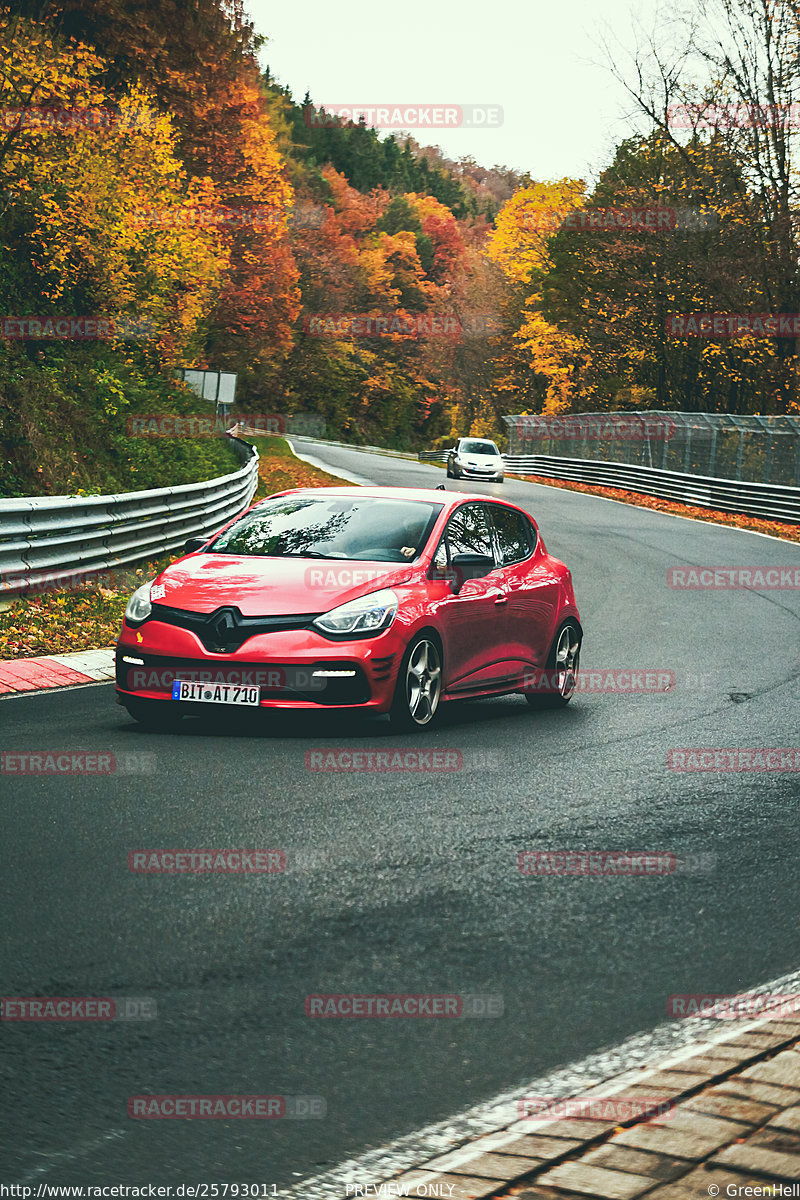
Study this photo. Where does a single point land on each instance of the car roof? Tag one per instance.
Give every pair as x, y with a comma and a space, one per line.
431, 495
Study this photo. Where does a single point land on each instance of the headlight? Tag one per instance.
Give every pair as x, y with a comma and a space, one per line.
139, 606
365, 616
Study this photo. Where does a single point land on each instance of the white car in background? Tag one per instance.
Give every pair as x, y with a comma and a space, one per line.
475, 458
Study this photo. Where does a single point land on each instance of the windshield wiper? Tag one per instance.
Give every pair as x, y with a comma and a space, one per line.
267, 554
311, 554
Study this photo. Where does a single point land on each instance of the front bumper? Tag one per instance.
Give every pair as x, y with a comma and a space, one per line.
478, 473
296, 669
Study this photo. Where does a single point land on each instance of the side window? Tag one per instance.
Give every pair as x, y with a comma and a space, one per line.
468, 531
515, 535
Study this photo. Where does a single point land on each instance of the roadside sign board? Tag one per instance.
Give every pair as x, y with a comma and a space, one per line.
218, 387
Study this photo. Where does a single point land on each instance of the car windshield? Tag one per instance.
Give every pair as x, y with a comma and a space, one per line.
479, 448
331, 526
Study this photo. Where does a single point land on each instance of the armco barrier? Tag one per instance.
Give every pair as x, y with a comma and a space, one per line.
777, 502
44, 538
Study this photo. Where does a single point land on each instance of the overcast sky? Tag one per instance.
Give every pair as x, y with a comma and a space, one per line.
562, 113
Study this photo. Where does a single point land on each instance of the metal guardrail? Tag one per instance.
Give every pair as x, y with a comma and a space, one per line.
47, 539
774, 501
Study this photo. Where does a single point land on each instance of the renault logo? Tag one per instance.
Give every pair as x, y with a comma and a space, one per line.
223, 623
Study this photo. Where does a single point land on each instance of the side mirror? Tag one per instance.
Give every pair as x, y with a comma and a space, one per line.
193, 544
469, 566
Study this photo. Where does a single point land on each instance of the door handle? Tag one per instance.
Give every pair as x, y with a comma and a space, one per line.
500, 598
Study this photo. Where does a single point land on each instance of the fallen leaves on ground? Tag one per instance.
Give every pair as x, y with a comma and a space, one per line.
82, 618
277, 472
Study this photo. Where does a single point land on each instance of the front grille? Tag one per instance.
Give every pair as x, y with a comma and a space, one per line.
226, 629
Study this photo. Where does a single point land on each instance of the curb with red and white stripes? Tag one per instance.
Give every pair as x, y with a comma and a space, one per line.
56, 671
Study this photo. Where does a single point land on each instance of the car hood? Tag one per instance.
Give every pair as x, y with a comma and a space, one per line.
265, 587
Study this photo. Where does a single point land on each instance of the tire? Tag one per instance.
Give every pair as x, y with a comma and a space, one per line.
419, 686
563, 663
156, 715
450, 472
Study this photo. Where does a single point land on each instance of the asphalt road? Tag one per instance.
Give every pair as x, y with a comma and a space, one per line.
399, 883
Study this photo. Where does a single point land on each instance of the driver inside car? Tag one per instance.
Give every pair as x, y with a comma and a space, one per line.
409, 537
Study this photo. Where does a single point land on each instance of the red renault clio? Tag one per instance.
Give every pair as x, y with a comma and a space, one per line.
383, 600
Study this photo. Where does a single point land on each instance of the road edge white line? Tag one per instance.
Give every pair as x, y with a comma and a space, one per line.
337, 471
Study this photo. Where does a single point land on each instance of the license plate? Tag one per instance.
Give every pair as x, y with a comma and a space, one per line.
214, 693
